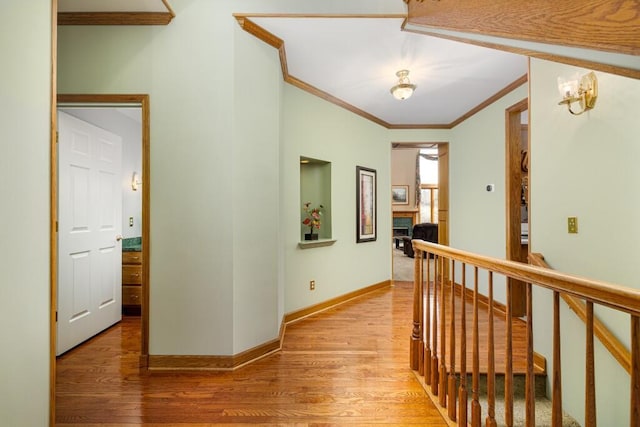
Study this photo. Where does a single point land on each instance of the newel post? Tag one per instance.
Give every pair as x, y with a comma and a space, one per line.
416, 334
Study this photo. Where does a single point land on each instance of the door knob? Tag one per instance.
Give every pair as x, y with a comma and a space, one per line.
118, 237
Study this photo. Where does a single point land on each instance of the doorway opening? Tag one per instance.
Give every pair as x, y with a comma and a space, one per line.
419, 178
517, 197
102, 111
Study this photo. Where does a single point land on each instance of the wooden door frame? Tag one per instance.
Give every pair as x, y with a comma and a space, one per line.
443, 193
53, 212
54, 98
141, 100
513, 182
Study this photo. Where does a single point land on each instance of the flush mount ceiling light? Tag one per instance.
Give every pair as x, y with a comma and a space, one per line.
583, 90
404, 89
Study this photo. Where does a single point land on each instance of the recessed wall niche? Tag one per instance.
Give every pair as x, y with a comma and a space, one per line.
315, 188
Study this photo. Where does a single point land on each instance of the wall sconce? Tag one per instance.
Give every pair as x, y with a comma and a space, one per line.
404, 89
583, 90
135, 181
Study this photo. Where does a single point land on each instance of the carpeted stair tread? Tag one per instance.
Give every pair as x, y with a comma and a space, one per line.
543, 405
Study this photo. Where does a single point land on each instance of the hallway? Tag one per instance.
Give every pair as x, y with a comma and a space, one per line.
346, 365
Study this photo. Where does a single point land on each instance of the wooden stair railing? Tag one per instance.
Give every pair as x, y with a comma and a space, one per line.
431, 314
610, 342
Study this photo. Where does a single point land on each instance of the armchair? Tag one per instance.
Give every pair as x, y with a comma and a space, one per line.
425, 231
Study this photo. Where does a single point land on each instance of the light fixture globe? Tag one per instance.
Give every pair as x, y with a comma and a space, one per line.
404, 89
581, 90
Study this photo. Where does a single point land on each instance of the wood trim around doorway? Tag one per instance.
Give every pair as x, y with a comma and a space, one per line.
141, 100
513, 178
53, 213
443, 194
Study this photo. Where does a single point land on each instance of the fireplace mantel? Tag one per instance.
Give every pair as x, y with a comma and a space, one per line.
407, 213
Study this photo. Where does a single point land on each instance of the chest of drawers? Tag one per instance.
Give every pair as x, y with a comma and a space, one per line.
131, 282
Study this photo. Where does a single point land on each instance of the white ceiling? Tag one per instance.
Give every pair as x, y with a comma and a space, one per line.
355, 60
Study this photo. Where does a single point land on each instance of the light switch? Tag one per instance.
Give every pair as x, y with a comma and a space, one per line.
572, 224
130, 221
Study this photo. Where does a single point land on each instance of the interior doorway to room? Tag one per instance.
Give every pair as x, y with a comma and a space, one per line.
89, 229
517, 195
419, 182
126, 254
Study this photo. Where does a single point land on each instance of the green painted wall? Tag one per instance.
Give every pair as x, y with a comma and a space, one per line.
224, 190
255, 197
476, 158
316, 129
206, 299
586, 166
187, 70
25, 48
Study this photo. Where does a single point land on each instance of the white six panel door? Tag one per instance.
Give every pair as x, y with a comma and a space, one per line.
89, 231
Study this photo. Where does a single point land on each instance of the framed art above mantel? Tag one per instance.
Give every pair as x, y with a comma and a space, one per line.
400, 194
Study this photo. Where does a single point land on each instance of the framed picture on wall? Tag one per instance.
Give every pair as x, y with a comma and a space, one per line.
400, 194
366, 215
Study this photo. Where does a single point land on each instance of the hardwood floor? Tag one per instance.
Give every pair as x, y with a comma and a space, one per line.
346, 365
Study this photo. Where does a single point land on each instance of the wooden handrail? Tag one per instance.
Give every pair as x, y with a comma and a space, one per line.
573, 289
614, 296
610, 342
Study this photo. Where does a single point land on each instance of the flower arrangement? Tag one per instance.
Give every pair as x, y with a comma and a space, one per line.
312, 216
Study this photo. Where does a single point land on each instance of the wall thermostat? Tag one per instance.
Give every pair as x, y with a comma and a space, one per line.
490, 188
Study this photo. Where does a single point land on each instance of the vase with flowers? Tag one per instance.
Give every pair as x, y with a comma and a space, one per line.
312, 220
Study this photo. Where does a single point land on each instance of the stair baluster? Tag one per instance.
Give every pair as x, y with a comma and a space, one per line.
491, 369
416, 333
476, 409
530, 395
434, 335
634, 419
443, 348
427, 323
590, 381
451, 387
556, 396
508, 374
462, 392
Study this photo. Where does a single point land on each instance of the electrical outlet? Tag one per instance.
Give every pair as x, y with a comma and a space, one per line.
312, 285
572, 224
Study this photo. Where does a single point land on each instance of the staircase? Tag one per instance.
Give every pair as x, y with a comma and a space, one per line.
498, 345
543, 405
